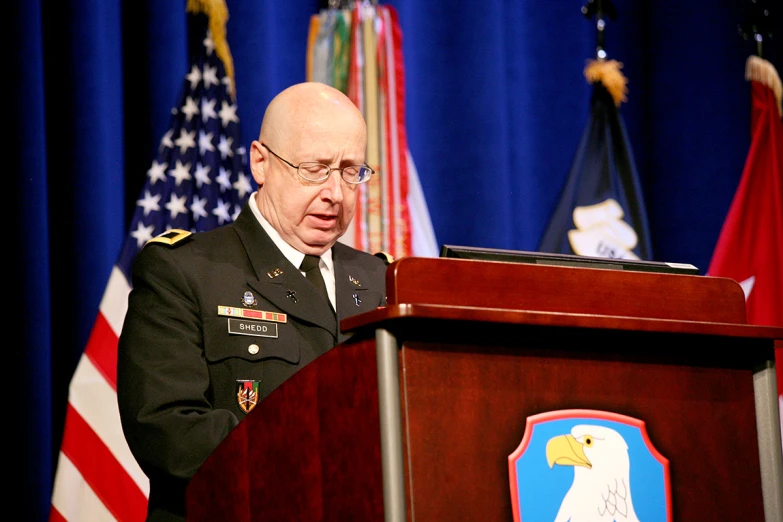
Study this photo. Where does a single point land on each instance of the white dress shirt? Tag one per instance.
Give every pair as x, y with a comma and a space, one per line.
296, 257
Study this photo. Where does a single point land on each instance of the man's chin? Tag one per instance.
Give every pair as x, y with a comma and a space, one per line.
320, 240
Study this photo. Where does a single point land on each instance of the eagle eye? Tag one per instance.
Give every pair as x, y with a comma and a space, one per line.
588, 441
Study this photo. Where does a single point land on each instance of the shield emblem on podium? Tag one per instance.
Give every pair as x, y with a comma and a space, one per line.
588, 465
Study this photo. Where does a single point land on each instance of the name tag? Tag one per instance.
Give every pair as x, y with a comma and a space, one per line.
254, 328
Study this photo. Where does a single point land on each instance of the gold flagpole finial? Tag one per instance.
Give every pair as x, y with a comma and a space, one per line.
762, 71
608, 73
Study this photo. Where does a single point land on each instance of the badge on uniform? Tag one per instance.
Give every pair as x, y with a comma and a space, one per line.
247, 395
258, 323
249, 299
254, 328
170, 237
232, 311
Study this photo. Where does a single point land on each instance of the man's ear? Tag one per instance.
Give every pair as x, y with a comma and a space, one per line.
258, 162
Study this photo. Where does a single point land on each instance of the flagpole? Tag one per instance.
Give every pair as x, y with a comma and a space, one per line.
757, 25
599, 9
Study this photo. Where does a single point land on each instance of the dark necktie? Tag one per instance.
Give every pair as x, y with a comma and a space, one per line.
313, 274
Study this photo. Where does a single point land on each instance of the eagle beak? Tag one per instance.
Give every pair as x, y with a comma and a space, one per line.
566, 451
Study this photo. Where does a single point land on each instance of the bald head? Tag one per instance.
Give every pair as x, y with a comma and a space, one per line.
306, 106
308, 123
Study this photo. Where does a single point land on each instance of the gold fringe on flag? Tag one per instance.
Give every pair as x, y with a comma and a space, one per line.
760, 70
217, 12
608, 73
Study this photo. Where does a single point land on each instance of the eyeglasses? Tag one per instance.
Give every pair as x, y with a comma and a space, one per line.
318, 172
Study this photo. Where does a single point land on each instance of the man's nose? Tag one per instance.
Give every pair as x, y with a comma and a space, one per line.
333, 185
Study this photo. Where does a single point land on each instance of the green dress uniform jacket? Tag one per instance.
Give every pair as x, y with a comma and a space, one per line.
194, 336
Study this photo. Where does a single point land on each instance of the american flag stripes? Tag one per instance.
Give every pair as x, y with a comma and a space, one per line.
197, 182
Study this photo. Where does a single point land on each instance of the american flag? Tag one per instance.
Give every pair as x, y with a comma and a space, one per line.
197, 182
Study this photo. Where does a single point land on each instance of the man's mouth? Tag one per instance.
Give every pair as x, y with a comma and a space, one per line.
323, 220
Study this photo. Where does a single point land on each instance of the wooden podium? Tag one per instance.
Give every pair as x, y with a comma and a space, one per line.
415, 417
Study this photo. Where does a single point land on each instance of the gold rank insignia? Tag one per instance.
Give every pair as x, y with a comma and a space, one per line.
170, 237
387, 258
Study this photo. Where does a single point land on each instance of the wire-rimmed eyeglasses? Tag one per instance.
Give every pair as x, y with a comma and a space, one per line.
318, 172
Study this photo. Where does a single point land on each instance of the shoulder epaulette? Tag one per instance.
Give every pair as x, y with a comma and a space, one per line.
387, 258
170, 237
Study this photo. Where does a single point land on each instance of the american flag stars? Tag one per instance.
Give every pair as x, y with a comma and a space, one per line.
198, 180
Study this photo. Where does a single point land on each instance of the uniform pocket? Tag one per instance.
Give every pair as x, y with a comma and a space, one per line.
251, 340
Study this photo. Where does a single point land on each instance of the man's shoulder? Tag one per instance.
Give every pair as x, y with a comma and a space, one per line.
350, 254
176, 238
188, 247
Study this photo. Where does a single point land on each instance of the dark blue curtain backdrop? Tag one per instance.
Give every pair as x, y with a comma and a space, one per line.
496, 105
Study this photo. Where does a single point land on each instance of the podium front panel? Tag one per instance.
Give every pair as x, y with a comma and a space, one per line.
465, 407
310, 451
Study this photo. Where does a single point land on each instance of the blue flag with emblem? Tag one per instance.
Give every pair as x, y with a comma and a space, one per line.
601, 211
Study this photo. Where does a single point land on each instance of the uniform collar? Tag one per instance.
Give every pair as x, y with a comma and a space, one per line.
290, 253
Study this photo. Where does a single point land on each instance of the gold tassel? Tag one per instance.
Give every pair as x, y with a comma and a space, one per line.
760, 70
217, 12
608, 73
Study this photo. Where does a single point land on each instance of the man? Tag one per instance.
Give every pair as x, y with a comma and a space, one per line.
217, 320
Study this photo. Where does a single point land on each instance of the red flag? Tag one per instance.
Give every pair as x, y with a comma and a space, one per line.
750, 246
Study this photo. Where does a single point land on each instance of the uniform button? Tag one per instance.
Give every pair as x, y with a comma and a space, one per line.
253, 349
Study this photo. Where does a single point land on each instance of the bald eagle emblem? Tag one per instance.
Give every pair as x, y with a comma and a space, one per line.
588, 466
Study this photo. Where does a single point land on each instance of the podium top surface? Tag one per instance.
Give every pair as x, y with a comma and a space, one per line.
403, 315
495, 291
545, 258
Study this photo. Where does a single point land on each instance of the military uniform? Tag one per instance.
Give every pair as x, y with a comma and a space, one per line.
216, 321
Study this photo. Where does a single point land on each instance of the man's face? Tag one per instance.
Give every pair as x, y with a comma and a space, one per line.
311, 216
